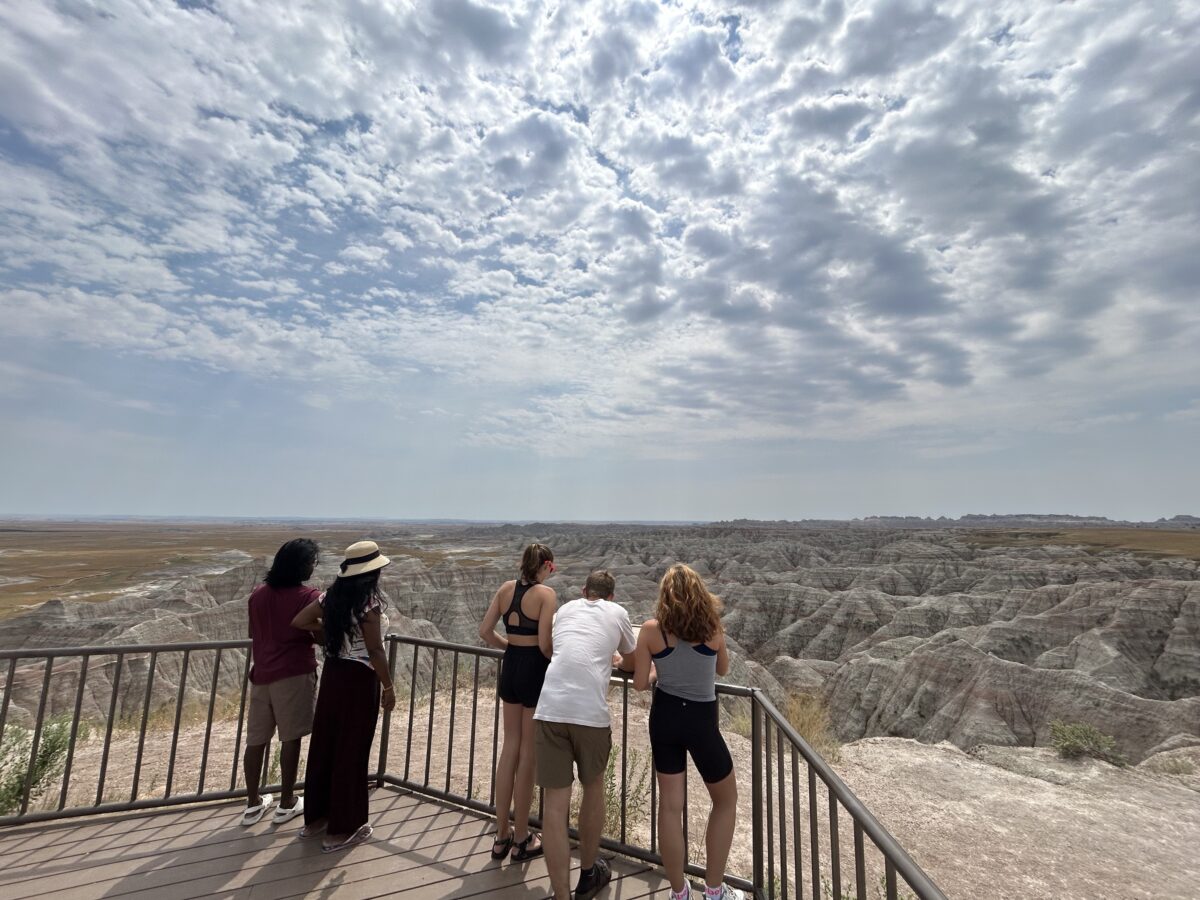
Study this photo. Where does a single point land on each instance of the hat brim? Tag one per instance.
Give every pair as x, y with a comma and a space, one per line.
363, 568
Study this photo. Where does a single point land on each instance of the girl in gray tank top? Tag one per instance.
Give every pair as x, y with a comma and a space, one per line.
687, 670
683, 649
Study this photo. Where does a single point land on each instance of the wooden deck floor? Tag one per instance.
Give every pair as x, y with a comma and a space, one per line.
419, 849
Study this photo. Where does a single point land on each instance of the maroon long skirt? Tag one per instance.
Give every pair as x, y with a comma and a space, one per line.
339, 751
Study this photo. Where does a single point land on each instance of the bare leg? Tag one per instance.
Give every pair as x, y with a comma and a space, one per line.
670, 827
523, 783
252, 766
554, 839
506, 768
591, 822
289, 765
721, 823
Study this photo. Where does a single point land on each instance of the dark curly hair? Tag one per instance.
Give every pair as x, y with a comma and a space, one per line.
293, 564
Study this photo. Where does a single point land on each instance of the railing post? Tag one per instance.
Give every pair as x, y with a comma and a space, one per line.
381, 769
756, 790
37, 736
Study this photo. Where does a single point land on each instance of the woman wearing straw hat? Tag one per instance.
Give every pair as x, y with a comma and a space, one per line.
355, 682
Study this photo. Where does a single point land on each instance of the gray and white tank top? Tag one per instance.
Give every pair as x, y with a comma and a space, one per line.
687, 671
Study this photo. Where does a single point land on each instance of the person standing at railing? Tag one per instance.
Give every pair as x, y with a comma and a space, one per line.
574, 729
355, 682
681, 652
526, 606
283, 678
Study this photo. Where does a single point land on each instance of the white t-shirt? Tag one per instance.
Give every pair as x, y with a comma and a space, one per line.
586, 633
353, 645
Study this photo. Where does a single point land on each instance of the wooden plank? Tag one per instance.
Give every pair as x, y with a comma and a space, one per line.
226, 831
131, 828
490, 881
370, 861
221, 824
419, 848
169, 866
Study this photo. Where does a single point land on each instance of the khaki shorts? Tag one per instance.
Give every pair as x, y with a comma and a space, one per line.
287, 704
560, 745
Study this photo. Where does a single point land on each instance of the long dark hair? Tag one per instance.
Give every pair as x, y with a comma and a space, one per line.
532, 560
345, 607
293, 564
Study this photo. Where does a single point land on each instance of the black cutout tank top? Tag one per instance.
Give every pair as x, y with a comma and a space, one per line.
525, 625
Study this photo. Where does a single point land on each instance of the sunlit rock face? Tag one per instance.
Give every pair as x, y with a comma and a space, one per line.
911, 633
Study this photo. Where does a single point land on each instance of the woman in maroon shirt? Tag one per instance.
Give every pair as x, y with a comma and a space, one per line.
283, 678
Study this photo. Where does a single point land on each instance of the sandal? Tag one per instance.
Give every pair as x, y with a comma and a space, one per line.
522, 851
358, 837
252, 815
312, 830
500, 847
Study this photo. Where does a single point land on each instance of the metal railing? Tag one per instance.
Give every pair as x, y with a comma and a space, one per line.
448, 727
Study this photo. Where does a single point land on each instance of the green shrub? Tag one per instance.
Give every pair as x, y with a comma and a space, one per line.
807, 713
1076, 739
637, 794
51, 758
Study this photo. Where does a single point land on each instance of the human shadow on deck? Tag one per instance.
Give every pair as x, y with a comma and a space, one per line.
416, 846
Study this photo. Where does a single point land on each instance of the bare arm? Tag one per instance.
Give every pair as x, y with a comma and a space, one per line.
643, 664
722, 655
487, 628
309, 618
373, 639
546, 622
627, 645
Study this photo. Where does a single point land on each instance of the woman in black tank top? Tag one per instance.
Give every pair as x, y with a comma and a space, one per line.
526, 607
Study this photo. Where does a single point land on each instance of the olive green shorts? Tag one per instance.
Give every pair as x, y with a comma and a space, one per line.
561, 746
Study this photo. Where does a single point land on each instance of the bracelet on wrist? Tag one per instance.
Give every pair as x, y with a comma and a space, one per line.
389, 689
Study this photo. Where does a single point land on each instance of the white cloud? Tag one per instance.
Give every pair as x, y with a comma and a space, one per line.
707, 221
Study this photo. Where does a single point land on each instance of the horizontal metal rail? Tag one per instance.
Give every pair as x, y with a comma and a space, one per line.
465, 675
112, 650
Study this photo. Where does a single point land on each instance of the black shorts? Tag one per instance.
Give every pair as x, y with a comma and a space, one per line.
522, 674
681, 727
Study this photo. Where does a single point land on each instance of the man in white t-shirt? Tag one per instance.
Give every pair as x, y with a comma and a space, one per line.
574, 728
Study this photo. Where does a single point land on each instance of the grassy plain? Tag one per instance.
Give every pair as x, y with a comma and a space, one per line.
1153, 541
96, 561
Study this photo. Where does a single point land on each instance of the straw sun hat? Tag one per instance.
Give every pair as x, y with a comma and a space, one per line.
361, 558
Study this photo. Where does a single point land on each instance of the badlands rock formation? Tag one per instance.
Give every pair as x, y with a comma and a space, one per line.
913, 633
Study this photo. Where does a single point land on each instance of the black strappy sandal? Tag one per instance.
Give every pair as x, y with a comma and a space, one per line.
521, 852
503, 845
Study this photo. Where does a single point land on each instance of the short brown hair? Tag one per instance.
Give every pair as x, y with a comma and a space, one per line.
600, 584
532, 560
686, 608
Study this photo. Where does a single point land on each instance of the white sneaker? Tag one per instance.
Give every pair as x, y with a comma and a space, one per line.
727, 893
685, 894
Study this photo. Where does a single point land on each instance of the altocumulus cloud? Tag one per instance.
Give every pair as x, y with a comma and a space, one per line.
765, 220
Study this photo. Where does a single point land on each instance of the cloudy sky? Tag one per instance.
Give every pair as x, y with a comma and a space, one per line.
634, 260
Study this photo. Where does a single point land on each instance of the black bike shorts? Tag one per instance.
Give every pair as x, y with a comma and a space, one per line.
679, 728
522, 674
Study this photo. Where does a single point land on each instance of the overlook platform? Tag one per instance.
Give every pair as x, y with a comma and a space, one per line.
420, 848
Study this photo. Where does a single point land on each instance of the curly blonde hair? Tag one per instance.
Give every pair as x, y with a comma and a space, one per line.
686, 608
